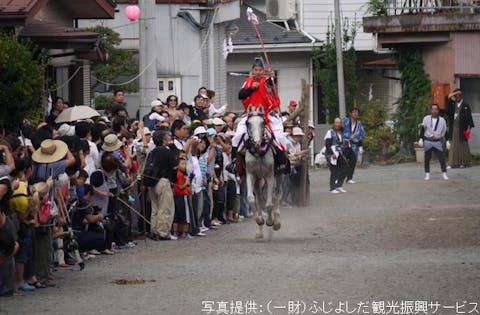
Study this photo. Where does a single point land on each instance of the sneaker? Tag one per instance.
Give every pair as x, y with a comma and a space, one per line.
204, 229
94, 252
107, 252
340, 189
63, 266
131, 244
427, 176
173, 237
26, 287
449, 167
334, 191
351, 181
184, 236
200, 234
216, 222
89, 257
445, 177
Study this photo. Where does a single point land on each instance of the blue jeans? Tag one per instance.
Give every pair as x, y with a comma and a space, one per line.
207, 220
286, 188
244, 210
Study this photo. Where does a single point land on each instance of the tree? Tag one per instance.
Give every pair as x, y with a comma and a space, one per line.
119, 63
325, 69
415, 98
22, 81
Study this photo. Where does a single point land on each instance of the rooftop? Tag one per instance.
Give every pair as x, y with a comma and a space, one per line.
272, 33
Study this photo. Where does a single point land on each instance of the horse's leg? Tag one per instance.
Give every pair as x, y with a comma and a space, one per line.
276, 219
277, 194
259, 233
257, 212
269, 198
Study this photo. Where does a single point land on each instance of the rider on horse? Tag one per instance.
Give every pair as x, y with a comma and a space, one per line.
259, 90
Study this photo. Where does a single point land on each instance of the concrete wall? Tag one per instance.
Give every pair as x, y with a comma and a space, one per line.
177, 44
179, 48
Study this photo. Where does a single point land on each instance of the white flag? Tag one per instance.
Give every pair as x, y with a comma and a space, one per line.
251, 16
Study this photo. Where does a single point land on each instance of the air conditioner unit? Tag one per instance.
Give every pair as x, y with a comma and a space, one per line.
281, 9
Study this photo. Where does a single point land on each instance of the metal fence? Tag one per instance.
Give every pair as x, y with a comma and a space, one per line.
399, 7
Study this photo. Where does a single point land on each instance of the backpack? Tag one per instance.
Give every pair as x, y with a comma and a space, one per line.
150, 171
149, 123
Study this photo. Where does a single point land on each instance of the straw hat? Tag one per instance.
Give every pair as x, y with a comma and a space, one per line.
218, 122
50, 151
297, 131
111, 143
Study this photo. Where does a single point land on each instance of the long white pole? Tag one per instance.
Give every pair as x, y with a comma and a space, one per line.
148, 80
338, 45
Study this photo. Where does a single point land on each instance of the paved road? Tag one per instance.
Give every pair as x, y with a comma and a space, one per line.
392, 237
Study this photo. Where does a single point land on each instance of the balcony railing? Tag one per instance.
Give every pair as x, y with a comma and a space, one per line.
400, 7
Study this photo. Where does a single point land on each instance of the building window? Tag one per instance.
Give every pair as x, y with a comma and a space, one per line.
169, 86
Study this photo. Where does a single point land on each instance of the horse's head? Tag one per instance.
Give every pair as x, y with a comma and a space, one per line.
256, 126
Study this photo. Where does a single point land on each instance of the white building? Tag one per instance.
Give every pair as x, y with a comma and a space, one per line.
376, 71
190, 44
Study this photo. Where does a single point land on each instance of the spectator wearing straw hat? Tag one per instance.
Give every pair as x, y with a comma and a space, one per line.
296, 155
218, 124
50, 161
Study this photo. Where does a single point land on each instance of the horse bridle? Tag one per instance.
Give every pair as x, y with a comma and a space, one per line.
265, 145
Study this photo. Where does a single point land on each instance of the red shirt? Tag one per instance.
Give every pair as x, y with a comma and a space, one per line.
263, 95
181, 180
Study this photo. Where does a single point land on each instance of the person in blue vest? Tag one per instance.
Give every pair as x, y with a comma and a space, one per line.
152, 119
353, 133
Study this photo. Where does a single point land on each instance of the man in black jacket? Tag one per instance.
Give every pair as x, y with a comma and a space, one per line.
161, 195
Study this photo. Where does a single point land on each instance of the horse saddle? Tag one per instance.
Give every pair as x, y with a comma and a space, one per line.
282, 163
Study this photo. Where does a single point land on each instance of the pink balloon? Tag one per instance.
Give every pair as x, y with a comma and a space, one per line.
132, 12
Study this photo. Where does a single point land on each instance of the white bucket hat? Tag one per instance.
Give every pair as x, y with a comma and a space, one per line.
297, 131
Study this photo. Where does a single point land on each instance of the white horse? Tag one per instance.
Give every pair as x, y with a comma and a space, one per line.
263, 186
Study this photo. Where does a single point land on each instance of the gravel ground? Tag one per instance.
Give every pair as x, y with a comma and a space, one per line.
391, 238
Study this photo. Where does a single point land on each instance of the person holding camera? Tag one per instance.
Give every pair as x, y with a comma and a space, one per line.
88, 222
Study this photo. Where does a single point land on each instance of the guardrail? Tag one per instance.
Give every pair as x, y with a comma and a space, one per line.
400, 7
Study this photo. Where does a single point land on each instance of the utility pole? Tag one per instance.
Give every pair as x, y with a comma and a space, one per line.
338, 46
148, 64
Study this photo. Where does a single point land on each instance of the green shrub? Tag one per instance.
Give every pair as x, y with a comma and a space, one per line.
103, 102
376, 8
380, 140
415, 99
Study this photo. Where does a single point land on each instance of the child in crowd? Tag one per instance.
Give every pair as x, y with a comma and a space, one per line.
80, 184
181, 192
